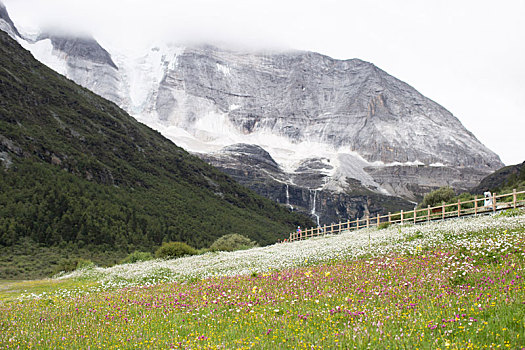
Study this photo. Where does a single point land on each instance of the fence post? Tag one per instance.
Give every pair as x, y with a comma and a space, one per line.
401, 216
378, 219
494, 202
443, 210
514, 198
389, 218
415, 214
367, 221
357, 223
324, 230
428, 213
475, 205
459, 208
340, 228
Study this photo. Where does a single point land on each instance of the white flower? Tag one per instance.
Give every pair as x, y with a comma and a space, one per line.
347, 245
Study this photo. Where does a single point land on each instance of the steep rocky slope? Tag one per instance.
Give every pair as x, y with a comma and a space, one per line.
6, 24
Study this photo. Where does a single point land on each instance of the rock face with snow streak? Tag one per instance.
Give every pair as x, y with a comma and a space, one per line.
253, 167
372, 126
82, 60
321, 128
6, 24
308, 97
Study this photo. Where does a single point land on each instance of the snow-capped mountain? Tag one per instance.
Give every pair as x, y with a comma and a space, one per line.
328, 127
6, 24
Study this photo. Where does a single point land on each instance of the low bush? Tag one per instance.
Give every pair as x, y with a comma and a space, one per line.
137, 256
232, 242
510, 213
84, 263
383, 225
171, 250
434, 198
72, 264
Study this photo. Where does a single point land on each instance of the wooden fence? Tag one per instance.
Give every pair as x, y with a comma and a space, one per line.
475, 206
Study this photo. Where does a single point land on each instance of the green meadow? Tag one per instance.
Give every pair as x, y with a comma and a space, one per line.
449, 285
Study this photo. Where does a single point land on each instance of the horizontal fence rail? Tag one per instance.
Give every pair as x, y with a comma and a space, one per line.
475, 206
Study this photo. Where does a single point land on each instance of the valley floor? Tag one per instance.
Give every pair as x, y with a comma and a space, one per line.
450, 285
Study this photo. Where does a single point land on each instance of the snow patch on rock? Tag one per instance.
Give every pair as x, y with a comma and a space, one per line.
43, 51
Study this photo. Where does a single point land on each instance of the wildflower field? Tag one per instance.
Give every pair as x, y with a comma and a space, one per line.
441, 285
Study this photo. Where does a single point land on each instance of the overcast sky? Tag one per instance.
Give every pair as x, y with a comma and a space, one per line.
469, 56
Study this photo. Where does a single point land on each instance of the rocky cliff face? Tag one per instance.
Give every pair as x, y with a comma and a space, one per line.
6, 24
286, 120
253, 167
307, 97
82, 60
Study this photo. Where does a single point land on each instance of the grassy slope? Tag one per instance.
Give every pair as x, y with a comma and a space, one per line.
76, 169
503, 180
459, 284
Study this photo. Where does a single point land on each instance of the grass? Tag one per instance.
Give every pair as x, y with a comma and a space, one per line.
11, 291
467, 291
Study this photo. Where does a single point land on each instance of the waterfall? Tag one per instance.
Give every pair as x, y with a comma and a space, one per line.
288, 198
313, 207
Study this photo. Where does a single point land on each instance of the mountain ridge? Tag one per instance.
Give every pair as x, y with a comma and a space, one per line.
366, 126
8, 26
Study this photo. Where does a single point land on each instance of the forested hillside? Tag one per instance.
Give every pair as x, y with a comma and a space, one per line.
75, 169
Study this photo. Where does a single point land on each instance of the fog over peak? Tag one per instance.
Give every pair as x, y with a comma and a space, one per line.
476, 47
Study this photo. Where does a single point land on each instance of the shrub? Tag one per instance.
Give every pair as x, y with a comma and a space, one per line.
232, 242
84, 263
510, 213
137, 256
171, 250
383, 225
66, 265
72, 264
434, 198
203, 251
412, 237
